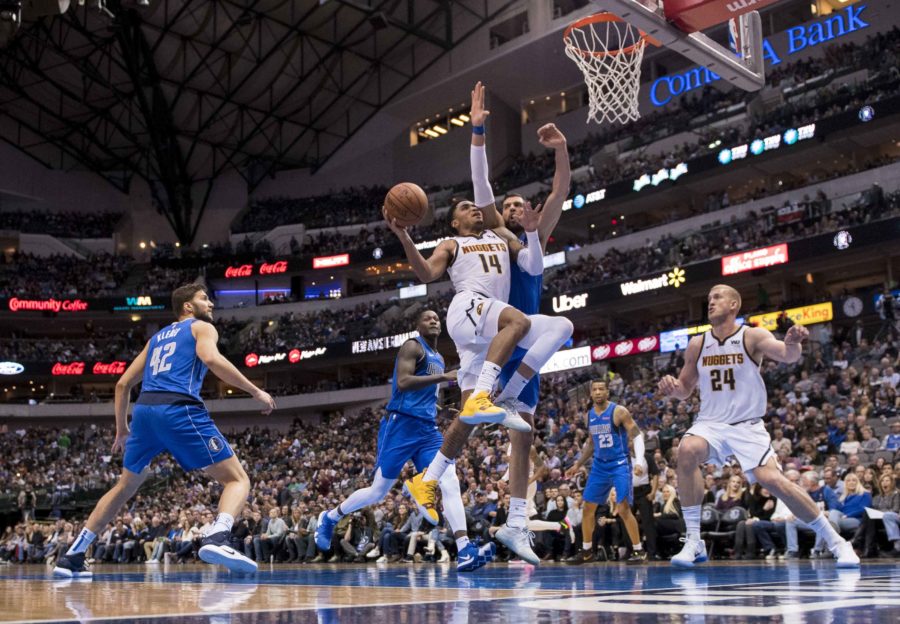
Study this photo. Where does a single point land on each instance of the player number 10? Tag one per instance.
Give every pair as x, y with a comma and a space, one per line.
159, 360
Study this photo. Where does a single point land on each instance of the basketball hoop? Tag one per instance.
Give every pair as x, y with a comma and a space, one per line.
609, 51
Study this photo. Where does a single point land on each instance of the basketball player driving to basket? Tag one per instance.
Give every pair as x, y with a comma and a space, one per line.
724, 362
484, 328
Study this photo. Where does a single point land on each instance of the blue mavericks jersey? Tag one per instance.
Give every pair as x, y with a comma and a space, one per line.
172, 362
420, 403
610, 441
525, 289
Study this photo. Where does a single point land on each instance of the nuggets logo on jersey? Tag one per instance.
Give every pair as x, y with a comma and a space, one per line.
481, 266
731, 388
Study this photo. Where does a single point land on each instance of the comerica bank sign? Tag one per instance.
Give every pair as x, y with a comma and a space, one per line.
838, 24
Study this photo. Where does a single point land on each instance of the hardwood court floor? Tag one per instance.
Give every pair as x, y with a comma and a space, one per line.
794, 592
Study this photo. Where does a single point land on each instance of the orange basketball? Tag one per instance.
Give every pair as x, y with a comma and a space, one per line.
407, 203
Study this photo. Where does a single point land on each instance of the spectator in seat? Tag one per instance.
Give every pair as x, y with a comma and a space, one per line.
733, 496
810, 481
760, 506
669, 518
766, 531
888, 502
845, 512
155, 534
851, 445
268, 543
892, 440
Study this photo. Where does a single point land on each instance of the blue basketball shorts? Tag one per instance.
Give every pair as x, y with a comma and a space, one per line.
605, 476
531, 391
186, 431
402, 438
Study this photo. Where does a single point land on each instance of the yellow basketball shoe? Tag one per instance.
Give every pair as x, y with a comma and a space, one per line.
423, 494
479, 409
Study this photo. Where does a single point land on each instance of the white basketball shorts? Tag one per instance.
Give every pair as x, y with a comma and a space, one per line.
748, 442
472, 321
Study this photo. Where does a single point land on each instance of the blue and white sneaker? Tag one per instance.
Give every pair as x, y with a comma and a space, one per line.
216, 549
324, 531
72, 566
471, 557
694, 552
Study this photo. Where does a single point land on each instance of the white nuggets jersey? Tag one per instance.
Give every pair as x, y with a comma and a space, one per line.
731, 388
481, 266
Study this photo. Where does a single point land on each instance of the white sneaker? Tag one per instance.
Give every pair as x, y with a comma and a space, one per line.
381, 559
512, 419
151, 561
771, 556
373, 554
445, 557
846, 557
519, 541
694, 552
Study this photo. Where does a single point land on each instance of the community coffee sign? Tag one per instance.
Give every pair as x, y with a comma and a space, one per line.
47, 305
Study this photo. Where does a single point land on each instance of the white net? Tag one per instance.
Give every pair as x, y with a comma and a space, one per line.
609, 54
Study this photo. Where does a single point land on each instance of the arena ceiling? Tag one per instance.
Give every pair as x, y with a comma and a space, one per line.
181, 91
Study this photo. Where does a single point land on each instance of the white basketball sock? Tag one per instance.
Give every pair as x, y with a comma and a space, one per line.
516, 518
80, 545
224, 522
825, 530
692, 521
513, 387
487, 377
437, 467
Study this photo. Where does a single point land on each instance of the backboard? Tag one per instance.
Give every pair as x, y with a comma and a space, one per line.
678, 27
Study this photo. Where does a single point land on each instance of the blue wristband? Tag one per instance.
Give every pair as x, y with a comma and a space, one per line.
478, 130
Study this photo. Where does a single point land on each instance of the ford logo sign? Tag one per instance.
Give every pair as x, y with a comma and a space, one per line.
11, 368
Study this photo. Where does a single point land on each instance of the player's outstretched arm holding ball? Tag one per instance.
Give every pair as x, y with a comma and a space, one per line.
427, 270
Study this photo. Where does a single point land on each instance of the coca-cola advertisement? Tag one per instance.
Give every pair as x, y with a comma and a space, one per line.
245, 270
72, 368
109, 368
275, 267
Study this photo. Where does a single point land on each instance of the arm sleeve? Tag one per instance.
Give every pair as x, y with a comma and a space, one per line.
639, 446
531, 258
484, 195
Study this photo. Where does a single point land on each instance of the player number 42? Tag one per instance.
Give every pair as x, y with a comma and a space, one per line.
159, 359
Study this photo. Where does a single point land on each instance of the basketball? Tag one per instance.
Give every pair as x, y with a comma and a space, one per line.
407, 203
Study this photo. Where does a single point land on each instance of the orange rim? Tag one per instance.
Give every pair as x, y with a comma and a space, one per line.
597, 18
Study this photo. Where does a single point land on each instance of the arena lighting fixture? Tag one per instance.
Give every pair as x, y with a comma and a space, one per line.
457, 122
432, 133
464, 117
440, 129
10, 20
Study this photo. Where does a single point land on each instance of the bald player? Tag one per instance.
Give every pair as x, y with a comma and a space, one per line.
724, 362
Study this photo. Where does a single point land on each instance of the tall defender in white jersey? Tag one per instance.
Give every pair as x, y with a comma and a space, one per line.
724, 363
